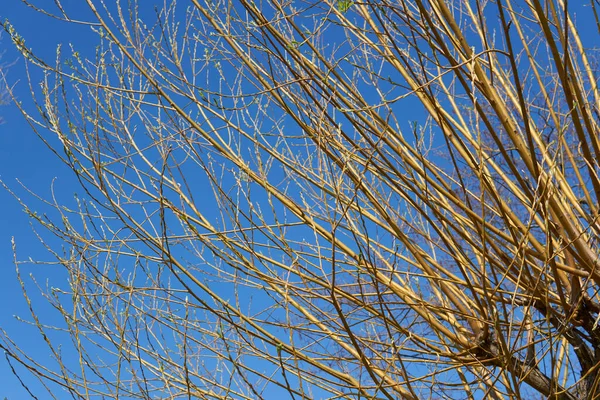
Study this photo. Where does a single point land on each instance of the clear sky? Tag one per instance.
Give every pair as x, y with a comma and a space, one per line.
22, 156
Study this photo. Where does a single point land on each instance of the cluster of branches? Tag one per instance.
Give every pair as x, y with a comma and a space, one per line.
341, 199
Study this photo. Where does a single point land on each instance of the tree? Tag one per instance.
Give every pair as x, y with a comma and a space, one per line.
329, 199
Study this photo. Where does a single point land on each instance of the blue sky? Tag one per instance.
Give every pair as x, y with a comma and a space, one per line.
24, 157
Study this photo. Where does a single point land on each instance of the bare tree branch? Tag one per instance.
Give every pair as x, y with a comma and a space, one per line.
327, 199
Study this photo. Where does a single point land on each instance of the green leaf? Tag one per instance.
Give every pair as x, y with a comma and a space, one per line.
344, 5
